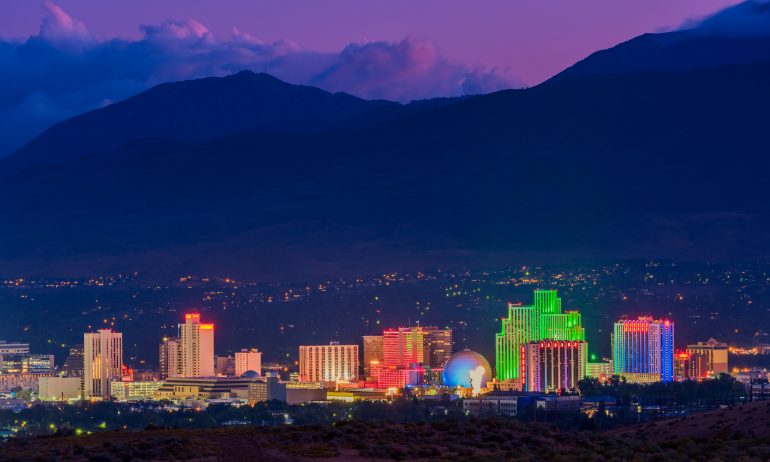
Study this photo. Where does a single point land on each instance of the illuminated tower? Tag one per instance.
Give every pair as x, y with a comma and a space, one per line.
404, 346
643, 349
542, 321
197, 343
372, 353
328, 363
552, 365
102, 362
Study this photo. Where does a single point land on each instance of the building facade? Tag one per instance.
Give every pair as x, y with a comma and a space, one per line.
248, 360
73, 364
542, 320
437, 346
59, 388
182, 388
197, 347
643, 349
328, 363
373, 346
707, 359
266, 389
139, 390
103, 360
553, 365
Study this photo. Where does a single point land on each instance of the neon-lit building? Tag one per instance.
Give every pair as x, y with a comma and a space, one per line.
643, 350
553, 365
403, 346
410, 355
328, 363
524, 324
197, 344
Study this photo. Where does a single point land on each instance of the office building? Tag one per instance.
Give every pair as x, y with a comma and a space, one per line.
372, 353
437, 346
103, 361
27, 363
73, 364
266, 389
197, 347
139, 390
170, 352
599, 369
643, 350
524, 324
553, 365
328, 363
494, 403
224, 366
248, 360
56, 388
707, 359
13, 348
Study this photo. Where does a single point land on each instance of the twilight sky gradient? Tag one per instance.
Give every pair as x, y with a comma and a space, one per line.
60, 59
535, 38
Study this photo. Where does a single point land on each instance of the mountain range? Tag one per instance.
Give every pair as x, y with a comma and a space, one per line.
654, 148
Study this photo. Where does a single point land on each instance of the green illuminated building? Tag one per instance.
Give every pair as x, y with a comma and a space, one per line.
542, 321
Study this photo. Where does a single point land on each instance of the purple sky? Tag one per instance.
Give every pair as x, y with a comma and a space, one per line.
59, 58
533, 38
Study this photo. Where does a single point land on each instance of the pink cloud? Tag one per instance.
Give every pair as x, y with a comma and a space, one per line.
64, 63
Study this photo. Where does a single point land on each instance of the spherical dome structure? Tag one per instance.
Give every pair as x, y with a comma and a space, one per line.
250, 374
465, 369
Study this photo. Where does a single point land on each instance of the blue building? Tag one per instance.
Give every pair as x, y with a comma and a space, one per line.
643, 350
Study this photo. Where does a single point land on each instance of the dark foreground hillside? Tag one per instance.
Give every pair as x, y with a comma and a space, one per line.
719, 435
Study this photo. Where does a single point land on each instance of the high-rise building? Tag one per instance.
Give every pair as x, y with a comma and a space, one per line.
103, 359
643, 349
224, 366
372, 353
437, 346
328, 363
73, 364
248, 360
707, 359
170, 352
404, 346
524, 324
553, 365
197, 342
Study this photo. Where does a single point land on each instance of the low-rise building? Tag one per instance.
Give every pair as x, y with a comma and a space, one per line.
140, 390
59, 388
201, 388
495, 403
266, 389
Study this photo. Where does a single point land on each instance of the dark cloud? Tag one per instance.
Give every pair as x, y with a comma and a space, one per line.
747, 19
63, 70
